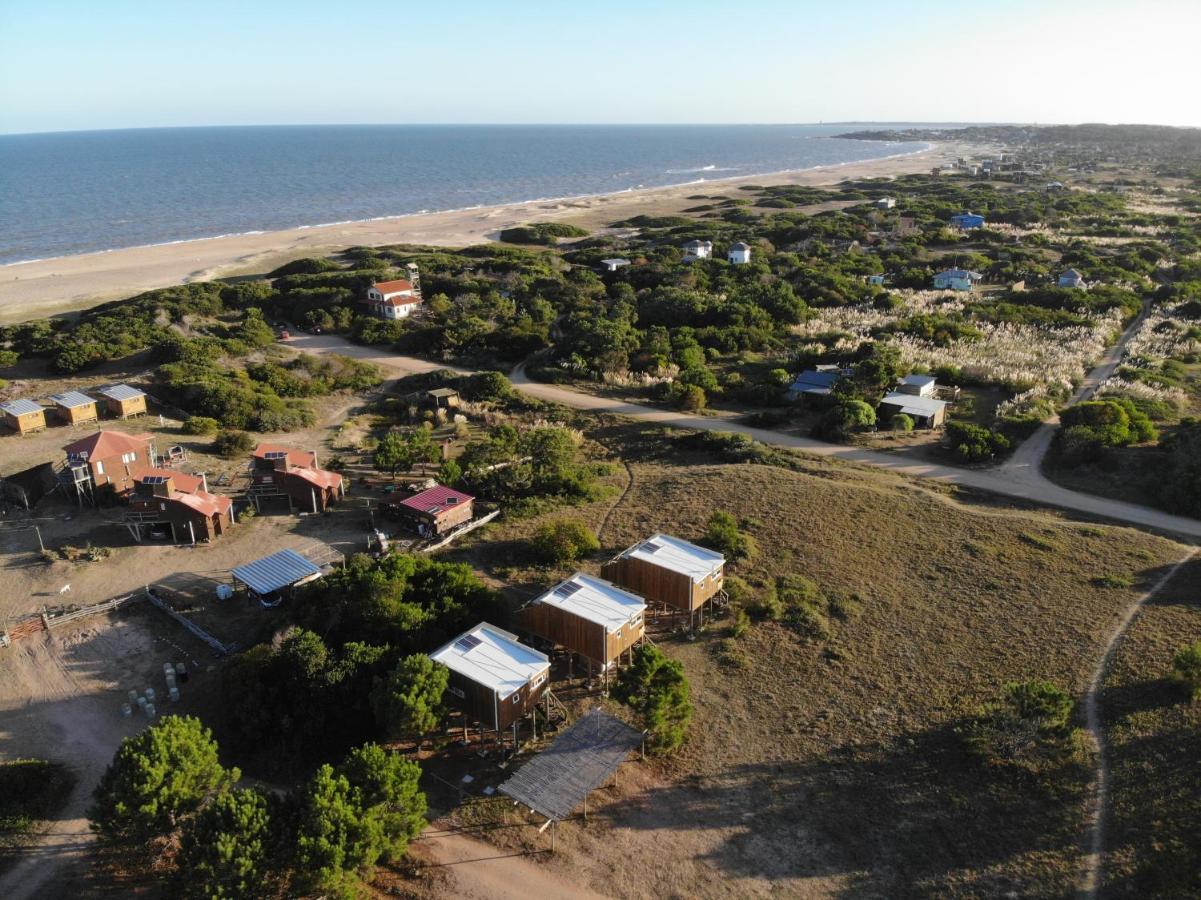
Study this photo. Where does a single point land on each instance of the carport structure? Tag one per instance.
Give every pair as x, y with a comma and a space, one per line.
580, 760
275, 573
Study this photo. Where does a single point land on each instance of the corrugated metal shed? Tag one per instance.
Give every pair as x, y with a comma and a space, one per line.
121, 392
594, 599
20, 407
913, 405
72, 399
580, 760
279, 570
677, 555
492, 657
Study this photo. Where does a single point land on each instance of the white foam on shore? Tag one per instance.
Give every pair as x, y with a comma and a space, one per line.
509, 203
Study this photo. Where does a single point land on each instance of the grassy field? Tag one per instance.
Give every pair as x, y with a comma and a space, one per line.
838, 766
1154, 735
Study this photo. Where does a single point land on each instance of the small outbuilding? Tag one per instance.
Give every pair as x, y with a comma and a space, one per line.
123, 401
926, 412
612, 265
814, 383
272, 576
1072, 279
739, 254
918, 385
494, 678
443, 398
697, 250
668, 570
967, 221
434, 511
886, 203
75, 408
956, 280
590, 617
23, 416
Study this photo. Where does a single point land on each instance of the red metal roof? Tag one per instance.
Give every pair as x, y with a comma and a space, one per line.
319, 477
104, 444
392, 287
436, 500
187, 484
207, 504
303, 458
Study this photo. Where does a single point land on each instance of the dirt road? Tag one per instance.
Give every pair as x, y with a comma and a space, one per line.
1023, 482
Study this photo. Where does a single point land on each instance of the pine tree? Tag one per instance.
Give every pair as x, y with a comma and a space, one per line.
225, 851
410, 700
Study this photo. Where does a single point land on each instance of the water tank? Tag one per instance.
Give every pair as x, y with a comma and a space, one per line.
150, 694
150, 710
224, 591
126, 710
173, 693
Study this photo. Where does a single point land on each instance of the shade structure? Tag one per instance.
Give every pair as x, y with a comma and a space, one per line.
580, 760
279, 570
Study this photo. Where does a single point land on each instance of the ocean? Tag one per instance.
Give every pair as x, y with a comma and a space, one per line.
79, 192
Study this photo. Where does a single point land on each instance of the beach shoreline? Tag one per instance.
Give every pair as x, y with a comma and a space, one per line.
66, 284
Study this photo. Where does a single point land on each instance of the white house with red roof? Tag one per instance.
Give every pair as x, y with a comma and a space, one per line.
397, 299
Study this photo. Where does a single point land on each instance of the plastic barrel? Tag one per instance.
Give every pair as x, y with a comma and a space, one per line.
150, 694
126, 710
150, 710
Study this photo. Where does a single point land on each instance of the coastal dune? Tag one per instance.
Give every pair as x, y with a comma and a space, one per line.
71, 283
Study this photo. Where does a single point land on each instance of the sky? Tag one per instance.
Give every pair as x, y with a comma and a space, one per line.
118, 64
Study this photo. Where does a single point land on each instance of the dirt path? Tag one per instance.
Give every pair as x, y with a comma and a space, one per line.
1093, 862
1025, 484
483, 872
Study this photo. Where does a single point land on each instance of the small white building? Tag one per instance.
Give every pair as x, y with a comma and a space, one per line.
918, 385
612, 265
393, 299
876, 280
886, 203
926, 412
698, 250
1072, 279
956, 280
740, 254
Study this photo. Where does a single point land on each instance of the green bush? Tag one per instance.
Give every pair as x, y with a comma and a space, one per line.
540, 233
975, 443
725, 536
1186, 669
1029, 728
31, 790
655, 687
564, 540
200, 425
901, 422
232, 444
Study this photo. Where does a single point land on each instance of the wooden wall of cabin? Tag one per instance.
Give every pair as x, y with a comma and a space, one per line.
619, 642
481, 704
652, 582
566, 630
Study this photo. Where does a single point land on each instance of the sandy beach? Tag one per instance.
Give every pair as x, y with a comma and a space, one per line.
69, 283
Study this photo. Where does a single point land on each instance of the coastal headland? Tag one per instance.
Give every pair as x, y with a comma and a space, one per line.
69, 283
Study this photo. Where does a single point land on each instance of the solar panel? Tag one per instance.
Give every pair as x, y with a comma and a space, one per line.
651, 547
467, 642
275, 454
567, 589
155, 479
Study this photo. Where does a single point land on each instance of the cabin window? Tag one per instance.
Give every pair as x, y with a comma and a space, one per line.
128, 457
538, 681
99, 468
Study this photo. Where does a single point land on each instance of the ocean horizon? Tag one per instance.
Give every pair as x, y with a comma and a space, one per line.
69, 193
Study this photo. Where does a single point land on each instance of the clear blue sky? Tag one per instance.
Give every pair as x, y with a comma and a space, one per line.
116, 64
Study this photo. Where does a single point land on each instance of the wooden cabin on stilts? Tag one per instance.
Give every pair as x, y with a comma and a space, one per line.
670, 571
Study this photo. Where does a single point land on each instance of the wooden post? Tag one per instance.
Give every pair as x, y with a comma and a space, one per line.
585, 809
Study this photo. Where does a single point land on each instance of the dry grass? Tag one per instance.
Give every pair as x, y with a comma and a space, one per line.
1154, 739
820, 769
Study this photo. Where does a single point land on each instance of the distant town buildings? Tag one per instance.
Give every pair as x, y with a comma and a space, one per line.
739, 254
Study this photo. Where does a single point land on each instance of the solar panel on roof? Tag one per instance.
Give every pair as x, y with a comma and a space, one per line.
275, 454
155, 479
651, 547
567, 589
467, 642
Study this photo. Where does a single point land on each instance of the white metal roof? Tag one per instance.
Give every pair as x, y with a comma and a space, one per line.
918, 380
913, 405
677, 555
493, 658
20, 407
121, 392
279, 570
72, 399
594, 599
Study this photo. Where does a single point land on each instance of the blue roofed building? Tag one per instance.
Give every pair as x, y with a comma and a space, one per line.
956, 280
967, 221
814, 383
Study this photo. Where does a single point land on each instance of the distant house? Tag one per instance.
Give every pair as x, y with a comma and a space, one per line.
697, 250
967, 221
925, 411
918, 385
668, 570
395, 299
612, 265
956, 280
434, 511
179, 501
1072, 279
75, 408
107, 461
876, 280
494, 678
814, 383
590, 617
886, 203
739, 254
23, 416
284, 472
443, 398
123, 401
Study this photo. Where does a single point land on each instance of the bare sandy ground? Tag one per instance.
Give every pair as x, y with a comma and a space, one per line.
64, 284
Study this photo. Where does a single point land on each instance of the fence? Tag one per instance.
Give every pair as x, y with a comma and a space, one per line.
48, 621
462, 530
218, 647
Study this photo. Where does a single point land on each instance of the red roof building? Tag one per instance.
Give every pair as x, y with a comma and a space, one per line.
179, 501
107, 460
393, 299
285, 472
434, 511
